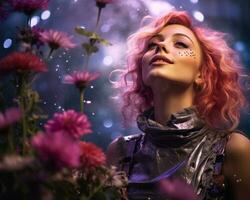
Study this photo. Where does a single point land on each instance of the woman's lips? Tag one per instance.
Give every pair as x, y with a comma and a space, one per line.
160, 60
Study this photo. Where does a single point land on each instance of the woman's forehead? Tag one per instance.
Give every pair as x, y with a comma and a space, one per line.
175, 29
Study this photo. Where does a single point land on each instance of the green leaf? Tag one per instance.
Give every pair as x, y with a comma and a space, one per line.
82, 31
93, 36
99, 39
89, 48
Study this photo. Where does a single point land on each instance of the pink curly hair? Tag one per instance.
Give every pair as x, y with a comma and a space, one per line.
218, 102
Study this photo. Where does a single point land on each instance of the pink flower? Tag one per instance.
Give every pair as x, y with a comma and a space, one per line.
172, 188
91, 155
57, 39
20, 61
28, 6
80, 78
72, 123
9, 117
57, 148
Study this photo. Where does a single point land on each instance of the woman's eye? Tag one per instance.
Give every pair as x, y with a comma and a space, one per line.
181, 44
152, 45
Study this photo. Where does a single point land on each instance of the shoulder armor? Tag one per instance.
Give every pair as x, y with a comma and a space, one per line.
132, 137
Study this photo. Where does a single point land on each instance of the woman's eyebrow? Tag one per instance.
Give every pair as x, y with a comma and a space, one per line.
158, 36
182, 34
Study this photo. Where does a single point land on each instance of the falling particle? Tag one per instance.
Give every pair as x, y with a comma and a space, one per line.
51, 57
59, 107
93, 113
181, 7
88, 102
17, 86
57, 69
238, 180
57, 65
91, 86
138, 9
67, 61
59, 77
64, 53
54, 104
58, 8
44, 102
60, 56
82, 55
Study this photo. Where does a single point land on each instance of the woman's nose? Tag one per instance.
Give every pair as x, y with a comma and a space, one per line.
161, 47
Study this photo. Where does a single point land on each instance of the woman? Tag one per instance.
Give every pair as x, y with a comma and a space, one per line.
185, 87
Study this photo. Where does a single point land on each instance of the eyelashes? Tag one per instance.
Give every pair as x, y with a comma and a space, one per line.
152, 45
181, 44
177, 44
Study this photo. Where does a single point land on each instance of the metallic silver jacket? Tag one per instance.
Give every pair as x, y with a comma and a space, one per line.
184, 148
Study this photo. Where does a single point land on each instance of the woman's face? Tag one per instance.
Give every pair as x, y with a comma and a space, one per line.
173, 54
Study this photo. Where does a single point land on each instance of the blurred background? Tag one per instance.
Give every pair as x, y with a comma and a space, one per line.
117, 22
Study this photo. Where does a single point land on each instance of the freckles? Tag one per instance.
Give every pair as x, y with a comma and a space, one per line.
180, 54
188, 53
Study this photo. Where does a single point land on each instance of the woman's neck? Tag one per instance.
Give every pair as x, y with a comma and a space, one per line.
168, 101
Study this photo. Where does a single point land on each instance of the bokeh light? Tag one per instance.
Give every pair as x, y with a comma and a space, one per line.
45, 15
198, 16
7, 43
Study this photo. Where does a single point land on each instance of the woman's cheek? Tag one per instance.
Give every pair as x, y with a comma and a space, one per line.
146, 58
186, 57
188, 53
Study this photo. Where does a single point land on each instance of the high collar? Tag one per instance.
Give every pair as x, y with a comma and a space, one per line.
181, 127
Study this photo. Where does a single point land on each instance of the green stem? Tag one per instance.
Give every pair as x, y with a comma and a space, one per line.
50, 53
81, 99
28, 21
87, 61
98, 18
10, 141
23, 109
29, 16
2, 100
